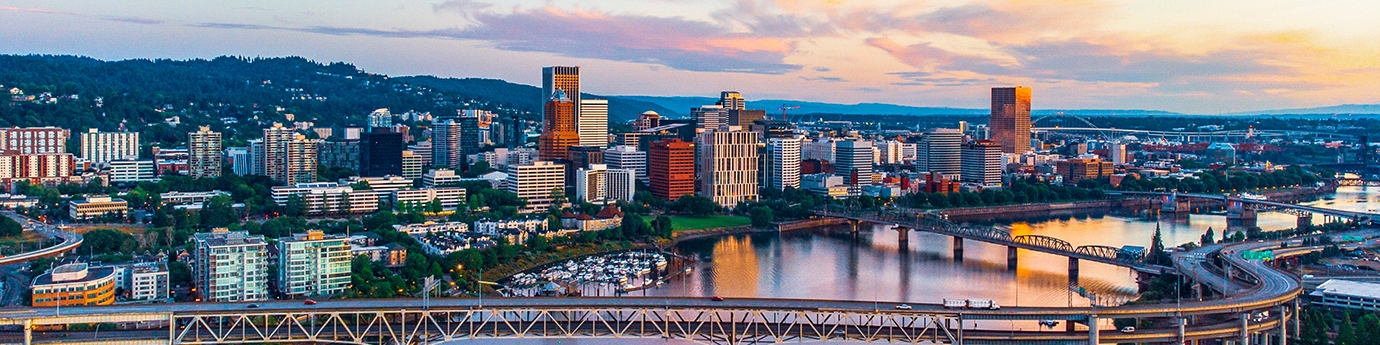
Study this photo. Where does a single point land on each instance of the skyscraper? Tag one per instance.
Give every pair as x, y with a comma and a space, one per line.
564, 78
854, 159
470, 141
783, 168
732, 100
940, 151
380, 153
299, 161
671, 168
230, 266
594, 122
982, 163
204, 158
102, 147
710, 117
1010, 121
627, 157
558, 128
728, 162
445, 143
275, 151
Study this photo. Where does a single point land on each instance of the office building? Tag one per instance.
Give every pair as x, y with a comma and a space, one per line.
671, 168
822, 149
189, 198
1339, 294
1117, 151
258, 157
536, 182
1078, 169
1010, 120
647, 120
73, 285
387, 183
598, 184
132, 171
728, 162
230, 266
594, 122
627, 157
982, 163
940, 151
339, 154
732, 100
313, 264
276, 140
380, 153
559, 132
783, 163
565, 79
710, 117
97, 206
449, 197
33, 140
299, 165
144, 281
445, 143
441, 178
853, 161
470, 139
328, 198
204, 159
889, 152
102, 147
240, 160
380, 118
411, 165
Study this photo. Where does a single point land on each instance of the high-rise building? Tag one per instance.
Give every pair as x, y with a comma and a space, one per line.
982, 163
445, 143
1118, 152
820, 148
240, 160
627, 157
940, 151
1010, 120
671, 168
204, 149
258, 157
380, 118
600, 185
380, 153
536, 182
103, 147
339, 154
558, 128
33, 140
411, 165
853, 161
275, 151
299, 161
732, 100
567, 80
728, 162
230, 266
745, 117
710, 117
783, 169
888, 152
313, 263
470, 138
594, 122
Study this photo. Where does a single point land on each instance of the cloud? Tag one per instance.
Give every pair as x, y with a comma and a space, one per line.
828, 79
134, 20
122, 19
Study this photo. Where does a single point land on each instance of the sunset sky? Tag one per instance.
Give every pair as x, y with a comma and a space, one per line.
1202, 57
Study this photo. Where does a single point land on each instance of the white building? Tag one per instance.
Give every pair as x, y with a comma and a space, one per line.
143, 281
598, 184
727, 165
132, 171
431, 227
203, 147
889, 152
103, 147
328, 198
536, 182
829, 185
411, 165
441, 178
940, 151
593, 124
627, 157
381, 117
385, 184
313, 264
241, 162
982, 163
189, 198
783, 154
710, 117
1118, 152
496, 226
820, 149
450, 197
854, 156
230, 266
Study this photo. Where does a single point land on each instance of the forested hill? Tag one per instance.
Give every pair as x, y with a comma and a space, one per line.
237, 95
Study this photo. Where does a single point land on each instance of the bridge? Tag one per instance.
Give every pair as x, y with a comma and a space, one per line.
1357, 216
1185, 136
919, 221
69, 242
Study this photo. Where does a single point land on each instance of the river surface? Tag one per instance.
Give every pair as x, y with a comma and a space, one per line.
834, 264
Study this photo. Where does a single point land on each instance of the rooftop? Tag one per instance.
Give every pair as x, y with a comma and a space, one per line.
1349, 288
92, 273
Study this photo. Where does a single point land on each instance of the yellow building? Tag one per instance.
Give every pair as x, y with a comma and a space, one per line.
75, 285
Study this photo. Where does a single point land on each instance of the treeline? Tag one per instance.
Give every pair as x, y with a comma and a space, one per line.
1218, 181
1021, 191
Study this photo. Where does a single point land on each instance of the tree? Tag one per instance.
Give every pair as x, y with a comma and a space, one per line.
761, 217
218, 212
296, 206
696, 205
1208, 237
9, 227
662, 226
179, 273
1157, 255
106, 241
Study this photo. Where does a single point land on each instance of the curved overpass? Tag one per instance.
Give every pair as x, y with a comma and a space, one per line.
69, 242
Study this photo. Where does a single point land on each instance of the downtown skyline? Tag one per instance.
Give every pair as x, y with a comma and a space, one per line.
1175, 56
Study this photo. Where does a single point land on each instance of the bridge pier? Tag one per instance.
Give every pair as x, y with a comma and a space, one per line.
1011, 258
1073, 269
1305, 221
29, 332
1283, 325
1245, 329
1092, 329
1182, 324
958, 248
903, 236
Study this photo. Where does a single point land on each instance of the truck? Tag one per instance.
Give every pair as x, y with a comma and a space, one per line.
982, 304
955, 303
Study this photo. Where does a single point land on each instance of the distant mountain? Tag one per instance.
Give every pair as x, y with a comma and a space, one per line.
1345, 109
682, 104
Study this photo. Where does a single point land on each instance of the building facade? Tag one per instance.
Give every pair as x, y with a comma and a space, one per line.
1009, 123
982, 163
727, 169
627, 157
33, 140
940, 150
671, 169
853, 161
559, 130
74, 285
230, 266
783, 163
594, 122
380, 153
536, 183
328, 198
204, 148
97, 206
102, 147
313, 264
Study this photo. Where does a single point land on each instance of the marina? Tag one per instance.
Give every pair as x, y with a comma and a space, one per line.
598, 275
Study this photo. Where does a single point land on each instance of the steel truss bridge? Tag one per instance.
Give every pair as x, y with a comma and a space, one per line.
1358, 216
933, 224
1227, 135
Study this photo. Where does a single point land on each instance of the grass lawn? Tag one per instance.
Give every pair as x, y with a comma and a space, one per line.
681, 223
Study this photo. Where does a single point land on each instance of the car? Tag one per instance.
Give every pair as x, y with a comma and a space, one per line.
903, 307
309, 302
1049, 323
716, 299
252, 306
1128, 329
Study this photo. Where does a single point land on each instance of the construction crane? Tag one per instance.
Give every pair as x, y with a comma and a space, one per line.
784, 108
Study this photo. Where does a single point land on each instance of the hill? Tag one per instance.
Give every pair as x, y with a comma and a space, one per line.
682, 104
1345, 109
527, 96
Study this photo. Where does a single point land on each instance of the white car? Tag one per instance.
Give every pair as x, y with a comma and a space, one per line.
1128, 329
903, 307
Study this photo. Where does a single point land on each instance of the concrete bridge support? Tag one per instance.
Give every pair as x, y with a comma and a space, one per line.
1284, 325
1245, 329
1011, 258
958, 249
1092, 330
1305, 221
1073, 269
903, 236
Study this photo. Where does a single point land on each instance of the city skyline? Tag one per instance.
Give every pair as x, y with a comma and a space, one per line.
1080, 54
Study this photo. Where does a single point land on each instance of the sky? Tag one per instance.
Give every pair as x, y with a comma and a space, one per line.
1192, 56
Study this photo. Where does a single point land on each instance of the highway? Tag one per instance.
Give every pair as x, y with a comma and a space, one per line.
70, 240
